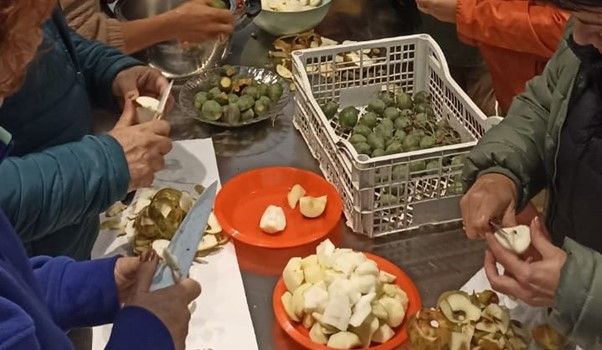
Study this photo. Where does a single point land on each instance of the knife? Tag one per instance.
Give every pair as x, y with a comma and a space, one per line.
179, 254
163, 101
499, 229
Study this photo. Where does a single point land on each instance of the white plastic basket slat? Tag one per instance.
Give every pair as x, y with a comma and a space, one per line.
411, 63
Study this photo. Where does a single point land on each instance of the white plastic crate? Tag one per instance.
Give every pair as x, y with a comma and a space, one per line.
411, 63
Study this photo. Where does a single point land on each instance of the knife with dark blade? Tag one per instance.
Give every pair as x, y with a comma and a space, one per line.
179, 254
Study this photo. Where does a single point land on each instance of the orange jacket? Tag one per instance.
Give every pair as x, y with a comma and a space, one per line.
516, 38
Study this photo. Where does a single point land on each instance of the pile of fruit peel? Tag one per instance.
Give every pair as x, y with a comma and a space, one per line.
343, 298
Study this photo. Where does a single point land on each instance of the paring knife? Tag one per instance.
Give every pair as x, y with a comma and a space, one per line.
182, 249
163, 101
499, 229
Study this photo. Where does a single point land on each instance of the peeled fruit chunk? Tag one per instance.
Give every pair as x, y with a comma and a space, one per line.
294, 195
337, 312
395, 311
287, 303
299, 299
366, 330
146, 108
313, 273
368, 267
316, 335
343, 340
517, 239
361, 310
324, 251
273, 220
315, 298
312, 207
293, 274
386, 277
383, 334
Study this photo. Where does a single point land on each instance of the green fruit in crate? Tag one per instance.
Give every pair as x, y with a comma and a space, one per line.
348, 117
400, 135
408, 113
369, 119
394, 148
391, 140
362, 130
418, 132
376, 141
247, 115
232, 98
377, 106
419, 165
245, 102
401, 123
387, 123
213, 92
355, 138
458, 161
411, 143
222, 99
200, 98
399, 172
330, 109
387, 97
433, 166
422, 97
379, 152
211, 110
443, 124
251, 91
420, 120
231, 114
427, 142
391, 113
384, 130
387, 199
275, 92
403, 100
362, 148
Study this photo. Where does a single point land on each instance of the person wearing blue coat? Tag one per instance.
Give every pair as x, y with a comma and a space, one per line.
58, 177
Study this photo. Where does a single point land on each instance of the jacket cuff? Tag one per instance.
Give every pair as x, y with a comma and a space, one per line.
468, 180
138, 328
578, 299
121, 176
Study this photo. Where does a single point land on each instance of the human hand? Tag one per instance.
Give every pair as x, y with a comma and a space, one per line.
533, 282
125, 271
196, 21
138, 81
443, 10
491, 197
169, 304
144, 145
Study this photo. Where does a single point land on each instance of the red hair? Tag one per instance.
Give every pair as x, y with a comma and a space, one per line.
20, 36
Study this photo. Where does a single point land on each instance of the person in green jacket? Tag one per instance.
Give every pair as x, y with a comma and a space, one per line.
551, 138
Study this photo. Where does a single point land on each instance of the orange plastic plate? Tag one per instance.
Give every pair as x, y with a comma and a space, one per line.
301, 335
242, 201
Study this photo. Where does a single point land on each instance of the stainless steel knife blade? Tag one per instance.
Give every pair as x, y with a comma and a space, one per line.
183, 245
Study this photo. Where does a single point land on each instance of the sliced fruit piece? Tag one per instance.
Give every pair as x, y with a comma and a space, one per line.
362, 309
293, 274
368, 267
312, 207
273, 220
317, 335
299, 299
366, 330
337, 312
159, 246
386, 277
395, 311
383, 334
516, 239
294, 195
343, 340
287, 303
315, 298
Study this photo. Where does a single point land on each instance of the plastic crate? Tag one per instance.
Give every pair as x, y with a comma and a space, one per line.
409, 63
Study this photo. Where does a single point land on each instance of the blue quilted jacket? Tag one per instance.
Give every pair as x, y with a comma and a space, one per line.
58, 178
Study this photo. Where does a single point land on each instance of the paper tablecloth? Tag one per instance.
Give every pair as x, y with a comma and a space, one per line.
221, 320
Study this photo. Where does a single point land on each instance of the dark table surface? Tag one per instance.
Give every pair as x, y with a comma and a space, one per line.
436, 261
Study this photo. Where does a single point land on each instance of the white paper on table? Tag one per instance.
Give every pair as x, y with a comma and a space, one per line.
528, 315
221, 320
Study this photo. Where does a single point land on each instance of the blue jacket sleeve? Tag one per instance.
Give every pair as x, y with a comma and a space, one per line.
138, 328
78, 294
49, 190
100, 64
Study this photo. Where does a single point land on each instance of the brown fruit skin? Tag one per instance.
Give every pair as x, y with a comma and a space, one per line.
547, 337
425, 337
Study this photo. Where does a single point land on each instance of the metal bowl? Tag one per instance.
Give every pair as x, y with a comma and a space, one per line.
285, 23
202, 82
175, 60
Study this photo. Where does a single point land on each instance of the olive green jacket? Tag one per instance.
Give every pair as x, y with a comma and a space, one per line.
524, 147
